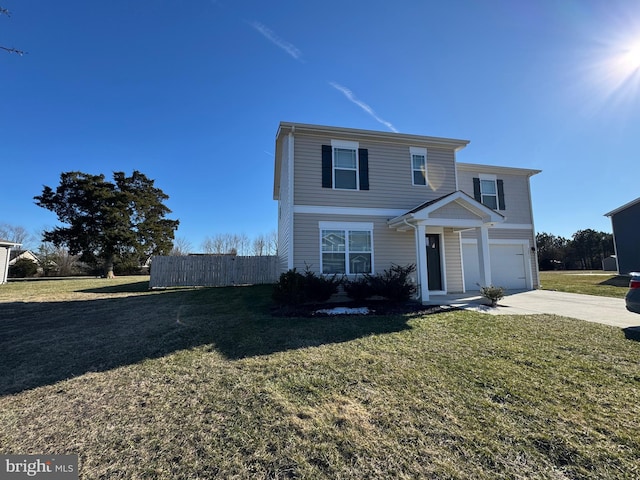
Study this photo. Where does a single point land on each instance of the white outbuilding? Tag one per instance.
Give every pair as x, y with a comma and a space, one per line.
5, 248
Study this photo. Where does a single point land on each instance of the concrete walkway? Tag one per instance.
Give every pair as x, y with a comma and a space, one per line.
610, 311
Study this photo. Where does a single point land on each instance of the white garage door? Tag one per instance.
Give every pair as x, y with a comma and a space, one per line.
508, 266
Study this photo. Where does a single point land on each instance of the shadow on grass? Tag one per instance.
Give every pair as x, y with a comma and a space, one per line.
44, 342
632, 333
133, 287
617, 281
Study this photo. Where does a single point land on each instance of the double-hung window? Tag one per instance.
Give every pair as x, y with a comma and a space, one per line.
418, 165
345, 166
489, 190
346, 248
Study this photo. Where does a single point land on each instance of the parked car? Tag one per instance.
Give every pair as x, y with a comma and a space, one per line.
633, 295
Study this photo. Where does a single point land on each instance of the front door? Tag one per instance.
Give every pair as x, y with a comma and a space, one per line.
434, 265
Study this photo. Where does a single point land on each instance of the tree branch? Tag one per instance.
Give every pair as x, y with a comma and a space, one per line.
13, 50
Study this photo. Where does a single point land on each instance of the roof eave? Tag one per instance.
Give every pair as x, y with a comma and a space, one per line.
456, 144
623, 207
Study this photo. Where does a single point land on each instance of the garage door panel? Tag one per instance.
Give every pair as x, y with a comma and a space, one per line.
508, 266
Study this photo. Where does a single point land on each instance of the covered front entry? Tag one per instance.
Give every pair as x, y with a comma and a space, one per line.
437, 225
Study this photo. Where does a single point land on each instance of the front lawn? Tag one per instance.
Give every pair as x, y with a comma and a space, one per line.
205, 383
589, 283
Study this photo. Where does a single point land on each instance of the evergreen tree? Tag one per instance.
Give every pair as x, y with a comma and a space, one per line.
108, 220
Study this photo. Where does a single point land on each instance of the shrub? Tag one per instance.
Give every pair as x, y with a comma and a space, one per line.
320, 288
23, 268
493, 294
294, 288
359, 289
394, 284
290, 288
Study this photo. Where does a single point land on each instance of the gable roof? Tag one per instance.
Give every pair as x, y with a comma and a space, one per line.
422, 212
623, 207
16, 254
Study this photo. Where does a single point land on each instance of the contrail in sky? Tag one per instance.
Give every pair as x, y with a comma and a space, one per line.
349, 94
290, 48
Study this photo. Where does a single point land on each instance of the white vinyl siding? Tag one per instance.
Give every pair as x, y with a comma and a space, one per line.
285, 209
389, 246
388, 176
453, 257
516, 193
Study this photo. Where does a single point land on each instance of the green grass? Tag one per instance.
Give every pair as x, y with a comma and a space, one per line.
585, 282
205, 383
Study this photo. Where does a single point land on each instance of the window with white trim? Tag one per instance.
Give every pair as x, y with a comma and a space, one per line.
489, 191
346, 248
418, 165
345, 165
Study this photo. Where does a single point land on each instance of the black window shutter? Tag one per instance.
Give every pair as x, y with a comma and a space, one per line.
501, 195
476, 190
327, 167
363, 165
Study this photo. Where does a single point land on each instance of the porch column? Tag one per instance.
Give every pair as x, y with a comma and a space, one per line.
421, 259
484, 257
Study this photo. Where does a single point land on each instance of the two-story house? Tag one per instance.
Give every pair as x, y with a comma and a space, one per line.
359, 201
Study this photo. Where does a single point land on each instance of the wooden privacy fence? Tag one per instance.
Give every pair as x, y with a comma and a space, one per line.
212, 271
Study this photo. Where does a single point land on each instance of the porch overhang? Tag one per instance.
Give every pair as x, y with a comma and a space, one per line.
433, 213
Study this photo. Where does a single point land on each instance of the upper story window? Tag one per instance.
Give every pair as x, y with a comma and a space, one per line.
418, 165
345, 166
489, 190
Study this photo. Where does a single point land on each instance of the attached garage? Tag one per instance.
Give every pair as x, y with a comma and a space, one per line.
510, 264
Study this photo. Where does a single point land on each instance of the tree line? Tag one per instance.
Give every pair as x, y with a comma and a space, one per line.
585, 250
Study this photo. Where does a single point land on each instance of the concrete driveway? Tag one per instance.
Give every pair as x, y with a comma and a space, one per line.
610, 311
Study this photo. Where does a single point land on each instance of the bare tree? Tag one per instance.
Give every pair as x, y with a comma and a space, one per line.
272, 243
221, 243
181, 247
243, 244
259, 245
58, 261
16, 234
4, 11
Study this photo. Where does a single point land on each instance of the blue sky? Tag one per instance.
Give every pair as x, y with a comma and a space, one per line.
191, 94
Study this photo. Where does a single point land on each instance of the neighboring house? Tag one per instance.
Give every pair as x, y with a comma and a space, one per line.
22, 254
359, 201
625, 222
5, 254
